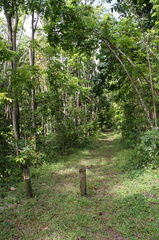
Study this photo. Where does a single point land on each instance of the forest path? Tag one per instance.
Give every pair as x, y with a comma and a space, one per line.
106, 178
57, 211
101, 178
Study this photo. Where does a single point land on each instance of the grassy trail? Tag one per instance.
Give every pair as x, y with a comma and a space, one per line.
116, 208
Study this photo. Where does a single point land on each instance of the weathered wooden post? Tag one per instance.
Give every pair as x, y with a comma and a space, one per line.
82, 177
27, 180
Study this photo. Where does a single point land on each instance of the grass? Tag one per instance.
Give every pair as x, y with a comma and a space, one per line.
120, 205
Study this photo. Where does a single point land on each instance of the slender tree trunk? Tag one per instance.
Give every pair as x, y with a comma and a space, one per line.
135, 88
12, 30
152, 88
8, 112
16, 126
16, 119
78, 117
33, 116
133, 65
34, 22
42, 125
114, 47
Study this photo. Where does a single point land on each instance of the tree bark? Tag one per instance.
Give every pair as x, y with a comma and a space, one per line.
12, 30
152, 88
34, 22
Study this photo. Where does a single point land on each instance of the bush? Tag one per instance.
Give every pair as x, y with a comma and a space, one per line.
144, 155
148, 149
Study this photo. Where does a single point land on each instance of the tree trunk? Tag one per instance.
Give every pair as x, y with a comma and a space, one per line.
134, 86
12, 30
33, 116
114, 47
15, 118
34, 22
152, 87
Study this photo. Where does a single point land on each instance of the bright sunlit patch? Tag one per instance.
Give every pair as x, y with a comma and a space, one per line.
68, 171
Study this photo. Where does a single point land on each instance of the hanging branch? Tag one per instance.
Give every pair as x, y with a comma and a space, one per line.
133, 65
152, 52
114, 47
134, 86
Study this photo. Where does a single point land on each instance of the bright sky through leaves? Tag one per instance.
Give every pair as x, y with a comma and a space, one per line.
107, 5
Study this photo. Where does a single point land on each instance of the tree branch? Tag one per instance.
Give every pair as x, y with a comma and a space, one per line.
134, 86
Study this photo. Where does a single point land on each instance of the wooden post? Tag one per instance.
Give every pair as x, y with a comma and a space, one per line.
27, 180
82, 177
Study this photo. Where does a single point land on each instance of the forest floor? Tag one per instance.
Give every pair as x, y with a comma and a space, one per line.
119, 206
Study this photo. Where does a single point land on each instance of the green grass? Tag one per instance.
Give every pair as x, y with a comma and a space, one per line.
120, 205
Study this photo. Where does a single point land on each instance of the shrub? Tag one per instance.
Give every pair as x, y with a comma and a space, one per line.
148, 149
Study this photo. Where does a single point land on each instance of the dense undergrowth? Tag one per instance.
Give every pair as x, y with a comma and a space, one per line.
140, 152
122, 201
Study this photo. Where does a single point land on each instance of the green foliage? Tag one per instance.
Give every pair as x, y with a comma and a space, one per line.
117, 206
8, 167
75, 23
3, 97
72, 98
143, 154
148, 149
9, 170
5, 54
125, 159
137, 9
28, 157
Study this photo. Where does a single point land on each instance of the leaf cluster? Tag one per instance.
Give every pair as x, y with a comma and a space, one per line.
72, 28
148, 149
5, 53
